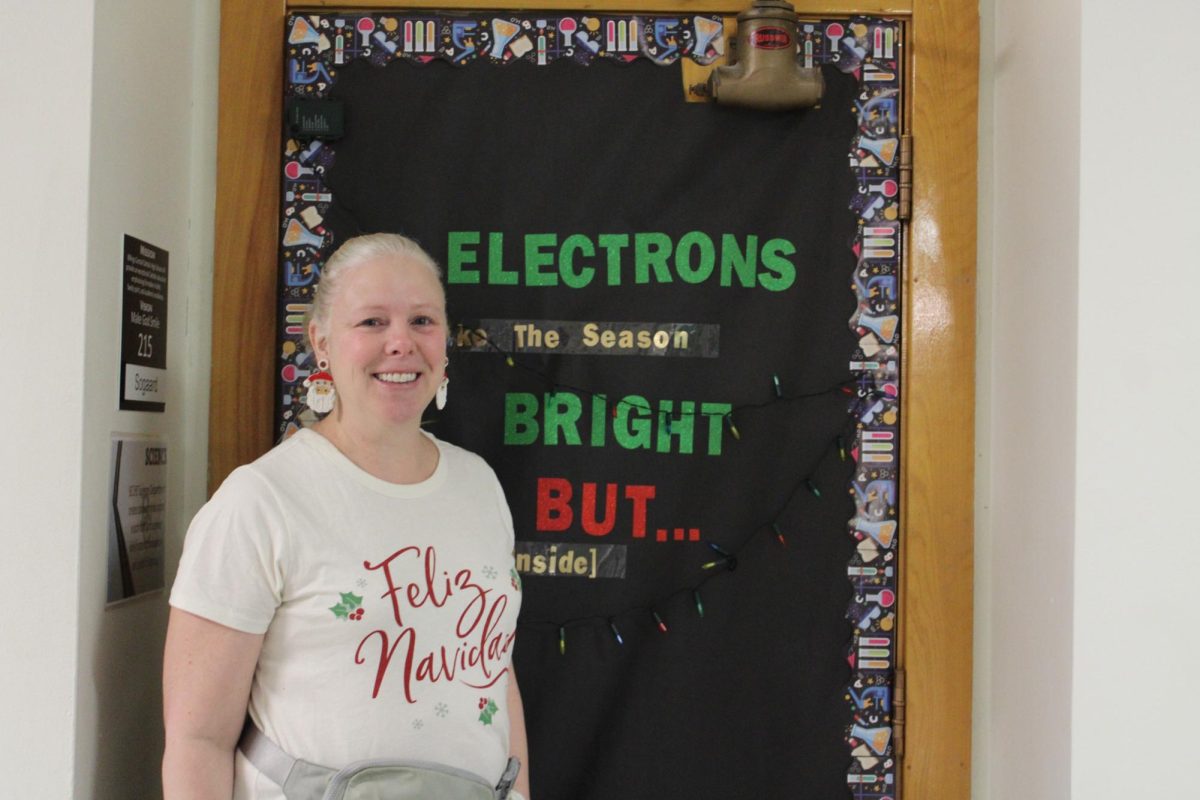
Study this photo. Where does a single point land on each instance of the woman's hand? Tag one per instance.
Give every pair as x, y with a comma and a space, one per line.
207, 670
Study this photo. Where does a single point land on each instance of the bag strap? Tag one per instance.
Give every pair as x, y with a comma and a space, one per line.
266, 756
301, 780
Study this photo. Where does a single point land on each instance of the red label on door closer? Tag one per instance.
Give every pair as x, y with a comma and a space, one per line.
770, 39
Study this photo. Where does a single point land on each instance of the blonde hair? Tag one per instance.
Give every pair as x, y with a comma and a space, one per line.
354, 253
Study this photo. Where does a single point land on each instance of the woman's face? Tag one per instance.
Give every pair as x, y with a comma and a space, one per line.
385, 340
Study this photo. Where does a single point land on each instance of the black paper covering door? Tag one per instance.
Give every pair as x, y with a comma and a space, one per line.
652, 302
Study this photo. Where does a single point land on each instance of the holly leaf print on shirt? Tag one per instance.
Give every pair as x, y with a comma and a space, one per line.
488, 710
348, 609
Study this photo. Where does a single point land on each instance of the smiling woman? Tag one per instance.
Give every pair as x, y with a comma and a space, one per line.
301, 578
379, 327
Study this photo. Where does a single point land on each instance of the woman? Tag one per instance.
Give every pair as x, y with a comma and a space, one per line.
352, 590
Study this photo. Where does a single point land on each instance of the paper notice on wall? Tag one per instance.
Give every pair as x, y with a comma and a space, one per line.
137, 502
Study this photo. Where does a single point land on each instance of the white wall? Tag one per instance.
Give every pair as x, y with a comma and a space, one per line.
1137, 554
119, 138
44, 219
1087, 553
1029, 207
152, 177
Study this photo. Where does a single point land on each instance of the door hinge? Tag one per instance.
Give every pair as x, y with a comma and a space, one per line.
906, 147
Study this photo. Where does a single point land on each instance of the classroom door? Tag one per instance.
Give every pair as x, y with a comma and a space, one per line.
649, 428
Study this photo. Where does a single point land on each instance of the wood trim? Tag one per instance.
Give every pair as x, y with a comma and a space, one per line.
938, 419
939, 326
249, 120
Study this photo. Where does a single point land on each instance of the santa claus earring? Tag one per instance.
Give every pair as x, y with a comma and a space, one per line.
443, 388
321, 393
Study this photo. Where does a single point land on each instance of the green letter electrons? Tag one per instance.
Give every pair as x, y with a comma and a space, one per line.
457, 256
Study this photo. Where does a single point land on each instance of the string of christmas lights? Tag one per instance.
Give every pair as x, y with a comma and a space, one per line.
723, 559
846, 386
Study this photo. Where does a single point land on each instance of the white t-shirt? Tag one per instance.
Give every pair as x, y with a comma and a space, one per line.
389, 610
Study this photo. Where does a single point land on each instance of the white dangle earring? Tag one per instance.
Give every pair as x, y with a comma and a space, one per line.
443, 388
321, 392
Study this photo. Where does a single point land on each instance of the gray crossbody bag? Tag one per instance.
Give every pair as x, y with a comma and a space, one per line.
373, 779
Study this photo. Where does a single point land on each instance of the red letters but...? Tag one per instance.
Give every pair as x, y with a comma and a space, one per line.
554, 511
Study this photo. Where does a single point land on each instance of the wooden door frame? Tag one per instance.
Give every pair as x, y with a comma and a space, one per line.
939, 321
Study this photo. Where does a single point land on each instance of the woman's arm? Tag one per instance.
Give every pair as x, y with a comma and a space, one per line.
518, 744
207, 670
